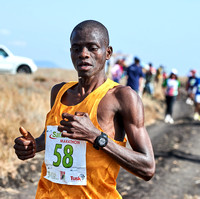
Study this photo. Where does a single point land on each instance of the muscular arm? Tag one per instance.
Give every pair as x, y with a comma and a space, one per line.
139, 160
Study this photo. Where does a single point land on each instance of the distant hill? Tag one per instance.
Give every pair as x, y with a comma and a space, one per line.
46, 64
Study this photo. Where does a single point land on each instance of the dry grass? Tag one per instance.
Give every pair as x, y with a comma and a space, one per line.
24, 102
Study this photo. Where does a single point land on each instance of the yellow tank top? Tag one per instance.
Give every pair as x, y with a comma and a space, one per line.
102, 170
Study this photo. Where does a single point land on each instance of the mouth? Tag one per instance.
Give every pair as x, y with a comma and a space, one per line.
84, 65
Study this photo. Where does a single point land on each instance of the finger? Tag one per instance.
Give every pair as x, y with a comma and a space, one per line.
66, 123
67, 134
68, 116
79, 113
24, 153
26, 157
65, 128
22, 141
27, 135
23, 131
86, 114
18, 147
64, 134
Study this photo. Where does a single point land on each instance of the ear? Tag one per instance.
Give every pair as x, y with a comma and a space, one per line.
109, 52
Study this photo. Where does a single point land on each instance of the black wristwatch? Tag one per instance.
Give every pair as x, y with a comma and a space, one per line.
100, 141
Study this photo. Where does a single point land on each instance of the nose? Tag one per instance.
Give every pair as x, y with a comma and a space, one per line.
84, 53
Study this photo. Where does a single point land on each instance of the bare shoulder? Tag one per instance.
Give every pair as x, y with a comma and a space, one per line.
130, 105
57, 87
54, 91
124, 90
126, 95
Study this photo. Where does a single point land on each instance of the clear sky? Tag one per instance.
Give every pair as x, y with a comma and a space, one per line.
163, 32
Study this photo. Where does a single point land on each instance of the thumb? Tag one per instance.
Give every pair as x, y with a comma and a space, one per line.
27, 137
25, 133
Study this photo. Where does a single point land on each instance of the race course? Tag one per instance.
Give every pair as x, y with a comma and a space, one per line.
177, 152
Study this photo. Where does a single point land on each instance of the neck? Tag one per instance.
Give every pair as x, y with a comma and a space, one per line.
88, 84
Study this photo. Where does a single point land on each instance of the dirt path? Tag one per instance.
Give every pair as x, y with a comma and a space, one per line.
177, 152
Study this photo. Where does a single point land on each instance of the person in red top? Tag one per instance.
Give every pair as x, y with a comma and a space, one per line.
119, 112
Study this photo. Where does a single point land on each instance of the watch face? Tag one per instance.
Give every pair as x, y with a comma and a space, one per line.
102, 141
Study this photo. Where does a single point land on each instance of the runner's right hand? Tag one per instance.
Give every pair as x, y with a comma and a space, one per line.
25, 145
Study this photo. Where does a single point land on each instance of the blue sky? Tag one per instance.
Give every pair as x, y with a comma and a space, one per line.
162, 32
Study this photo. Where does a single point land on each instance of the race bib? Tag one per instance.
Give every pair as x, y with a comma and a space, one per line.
65, 158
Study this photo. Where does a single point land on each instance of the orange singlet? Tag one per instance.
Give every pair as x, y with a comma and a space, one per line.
102, 170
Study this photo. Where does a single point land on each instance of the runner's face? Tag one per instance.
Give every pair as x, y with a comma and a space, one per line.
89, 52
173, 76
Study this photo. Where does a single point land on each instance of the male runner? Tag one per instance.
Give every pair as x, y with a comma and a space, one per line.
84, 137
190, 87
135, 76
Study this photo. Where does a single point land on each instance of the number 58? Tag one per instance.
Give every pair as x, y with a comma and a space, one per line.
67, 160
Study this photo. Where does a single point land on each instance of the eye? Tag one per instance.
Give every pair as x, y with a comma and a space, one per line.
93, 48
75, 48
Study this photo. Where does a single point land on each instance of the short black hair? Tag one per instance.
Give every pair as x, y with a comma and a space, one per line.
136, 59
93, 24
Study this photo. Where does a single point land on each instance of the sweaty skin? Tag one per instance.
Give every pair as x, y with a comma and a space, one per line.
120, 112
